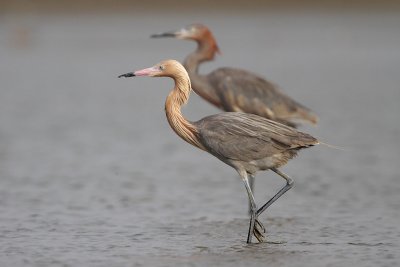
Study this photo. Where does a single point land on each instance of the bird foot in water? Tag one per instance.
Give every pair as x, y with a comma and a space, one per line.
259, 231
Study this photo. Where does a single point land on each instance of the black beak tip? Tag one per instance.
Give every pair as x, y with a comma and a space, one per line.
126, 75
161, 35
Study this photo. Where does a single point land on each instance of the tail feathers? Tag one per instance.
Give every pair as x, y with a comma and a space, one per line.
300, 116
308, 115
334, 147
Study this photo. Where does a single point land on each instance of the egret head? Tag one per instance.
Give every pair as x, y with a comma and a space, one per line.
197, 32
166, 68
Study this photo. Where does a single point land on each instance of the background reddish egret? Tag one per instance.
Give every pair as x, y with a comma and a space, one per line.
246, 142
234, 89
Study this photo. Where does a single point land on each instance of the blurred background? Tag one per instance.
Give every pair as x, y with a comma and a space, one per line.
92, 175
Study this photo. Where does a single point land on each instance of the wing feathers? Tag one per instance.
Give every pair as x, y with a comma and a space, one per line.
243, 136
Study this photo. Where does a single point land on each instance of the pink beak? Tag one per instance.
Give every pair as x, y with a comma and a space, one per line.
143, 72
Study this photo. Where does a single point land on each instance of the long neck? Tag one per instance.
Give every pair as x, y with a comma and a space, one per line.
175, 100
201, 85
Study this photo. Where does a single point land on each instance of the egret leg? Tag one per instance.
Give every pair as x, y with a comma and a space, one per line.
259, 229
253, 205
289, 184
252, 180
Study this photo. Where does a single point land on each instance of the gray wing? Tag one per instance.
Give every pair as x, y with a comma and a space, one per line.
246, 137
243, 91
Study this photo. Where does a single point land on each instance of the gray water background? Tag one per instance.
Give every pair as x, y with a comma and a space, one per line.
92, 175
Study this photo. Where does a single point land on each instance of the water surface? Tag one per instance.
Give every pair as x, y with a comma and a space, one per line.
92, 175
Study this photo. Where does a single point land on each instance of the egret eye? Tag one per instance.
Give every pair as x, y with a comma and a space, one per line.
161, 67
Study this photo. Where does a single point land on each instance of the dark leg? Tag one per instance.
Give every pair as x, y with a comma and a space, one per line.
252, 180
253, 206
289, 184
259, 229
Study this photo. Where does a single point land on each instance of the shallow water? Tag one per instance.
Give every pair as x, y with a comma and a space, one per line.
92, 175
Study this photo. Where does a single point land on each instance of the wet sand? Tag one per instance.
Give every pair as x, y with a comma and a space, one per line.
92, 175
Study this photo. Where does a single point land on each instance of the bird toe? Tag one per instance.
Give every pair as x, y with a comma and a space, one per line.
259, 231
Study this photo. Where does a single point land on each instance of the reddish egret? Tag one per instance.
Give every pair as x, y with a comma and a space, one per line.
234, 89
246, 142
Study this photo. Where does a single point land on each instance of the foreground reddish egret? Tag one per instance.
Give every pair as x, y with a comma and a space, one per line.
246, 142
234, 89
